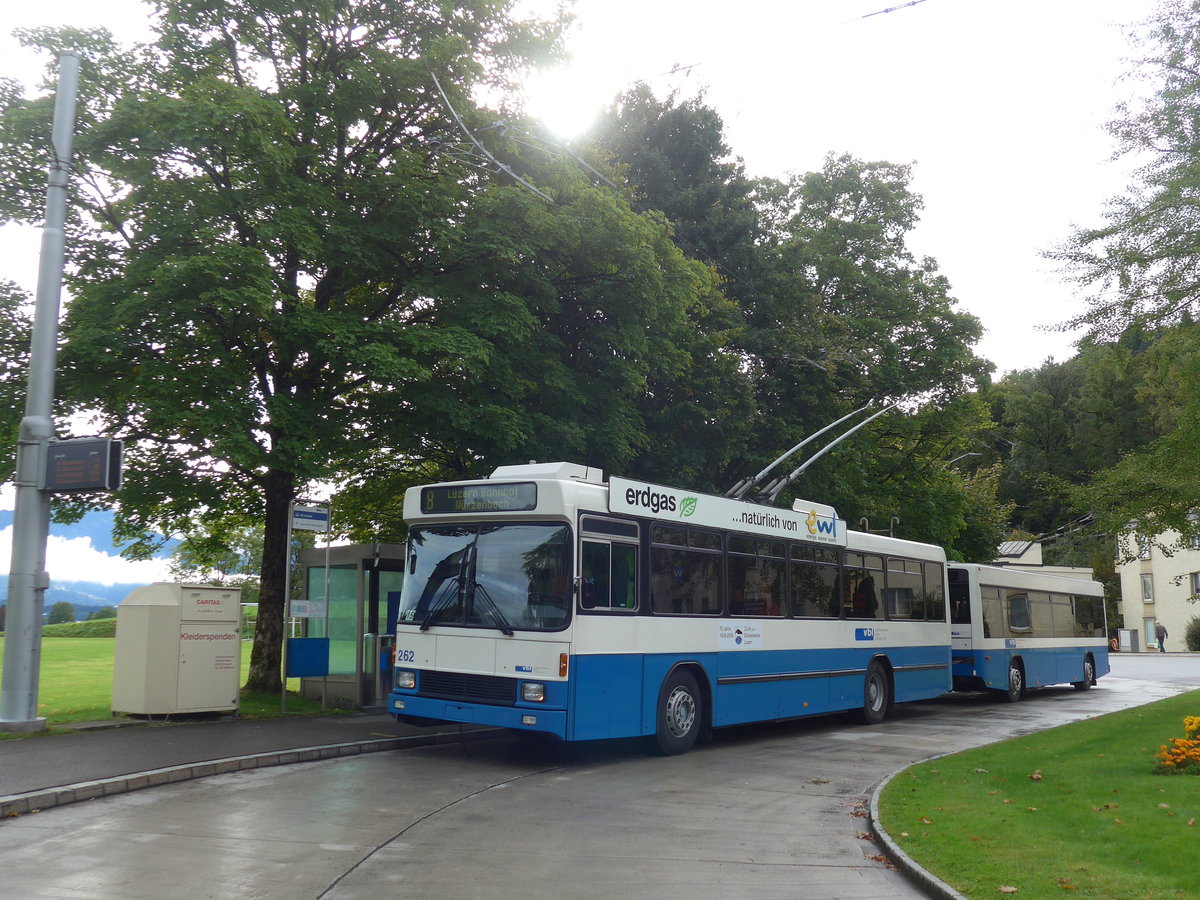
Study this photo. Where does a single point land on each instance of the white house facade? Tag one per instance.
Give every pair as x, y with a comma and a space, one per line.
1159, 585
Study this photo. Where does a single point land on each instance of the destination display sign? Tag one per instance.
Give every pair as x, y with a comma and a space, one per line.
806, 521
86, 464
477, 498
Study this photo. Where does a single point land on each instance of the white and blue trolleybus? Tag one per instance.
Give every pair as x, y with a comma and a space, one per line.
1013, 629
546, 599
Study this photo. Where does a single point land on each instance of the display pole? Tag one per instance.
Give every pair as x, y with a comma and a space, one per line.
287, 606
27, 577
328, 533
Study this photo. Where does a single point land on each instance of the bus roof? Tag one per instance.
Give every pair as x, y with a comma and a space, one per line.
866, 542
558, 471
1031, 579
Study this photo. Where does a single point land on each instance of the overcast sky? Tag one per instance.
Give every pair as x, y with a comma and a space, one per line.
77, 559
999, 106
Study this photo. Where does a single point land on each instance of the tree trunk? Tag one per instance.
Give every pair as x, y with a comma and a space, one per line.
265, 657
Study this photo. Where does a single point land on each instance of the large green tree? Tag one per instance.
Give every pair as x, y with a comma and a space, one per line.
1062, 422
60, 613
1142, 265
601, 309
833, 310
672, 157
15, 333
1139, 272
262, 243
1153, 486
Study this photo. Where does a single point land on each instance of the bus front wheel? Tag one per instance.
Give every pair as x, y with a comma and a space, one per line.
679, 714
875, 694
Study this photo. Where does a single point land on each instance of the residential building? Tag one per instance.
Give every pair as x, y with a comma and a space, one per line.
1159, 583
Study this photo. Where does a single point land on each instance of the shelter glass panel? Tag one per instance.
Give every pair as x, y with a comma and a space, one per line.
342, 611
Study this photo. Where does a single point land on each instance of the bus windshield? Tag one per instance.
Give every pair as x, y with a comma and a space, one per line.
512, 576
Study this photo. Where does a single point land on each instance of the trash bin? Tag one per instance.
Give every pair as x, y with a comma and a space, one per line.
179, 650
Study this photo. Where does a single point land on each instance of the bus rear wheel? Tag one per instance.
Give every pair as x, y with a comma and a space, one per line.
1016, 682
680, 716
1089, 675
876, 698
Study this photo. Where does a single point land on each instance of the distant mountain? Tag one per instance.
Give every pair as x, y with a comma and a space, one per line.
85, 596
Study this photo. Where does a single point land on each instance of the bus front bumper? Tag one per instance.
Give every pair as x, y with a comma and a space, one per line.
519, 718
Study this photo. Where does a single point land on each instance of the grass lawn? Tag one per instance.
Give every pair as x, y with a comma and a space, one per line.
1077, 811
75, 684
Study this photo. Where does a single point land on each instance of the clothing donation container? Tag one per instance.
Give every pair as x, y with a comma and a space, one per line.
179, 650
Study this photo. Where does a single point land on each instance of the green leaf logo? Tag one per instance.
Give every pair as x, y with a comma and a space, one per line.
687, 507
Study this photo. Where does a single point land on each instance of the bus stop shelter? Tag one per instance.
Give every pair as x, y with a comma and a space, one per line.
359, 620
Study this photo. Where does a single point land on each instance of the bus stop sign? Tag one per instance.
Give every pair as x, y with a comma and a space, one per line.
310, 518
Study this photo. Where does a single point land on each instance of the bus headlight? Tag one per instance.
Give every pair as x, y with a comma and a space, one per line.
406, 681
533, 692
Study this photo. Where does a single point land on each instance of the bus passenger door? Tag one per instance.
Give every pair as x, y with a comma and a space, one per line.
962, 633
607, 669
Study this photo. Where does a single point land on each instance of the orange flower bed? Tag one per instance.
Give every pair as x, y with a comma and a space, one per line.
1182, 754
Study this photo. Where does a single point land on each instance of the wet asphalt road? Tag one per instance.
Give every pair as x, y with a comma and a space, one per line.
765, 811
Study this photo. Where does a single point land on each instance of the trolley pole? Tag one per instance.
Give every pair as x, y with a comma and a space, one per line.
27, 579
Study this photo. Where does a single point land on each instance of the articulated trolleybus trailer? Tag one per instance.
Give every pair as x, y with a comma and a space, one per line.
1015, 629
545, 599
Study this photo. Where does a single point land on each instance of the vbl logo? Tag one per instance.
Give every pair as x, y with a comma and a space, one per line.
864, 634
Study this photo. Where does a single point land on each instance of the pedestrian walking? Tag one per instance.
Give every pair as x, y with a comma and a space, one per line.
1160, 634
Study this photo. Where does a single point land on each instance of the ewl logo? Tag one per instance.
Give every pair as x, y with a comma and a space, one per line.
820, 525
864, 634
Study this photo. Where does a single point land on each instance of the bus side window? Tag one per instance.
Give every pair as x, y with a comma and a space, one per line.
594, 581
1019, 617
863, 576
608, 578
935, 594
960, 606
624, 576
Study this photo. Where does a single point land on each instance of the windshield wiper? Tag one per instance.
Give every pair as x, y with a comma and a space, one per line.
450, 591
479, 590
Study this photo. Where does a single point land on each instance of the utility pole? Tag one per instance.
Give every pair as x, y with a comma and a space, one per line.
27, 579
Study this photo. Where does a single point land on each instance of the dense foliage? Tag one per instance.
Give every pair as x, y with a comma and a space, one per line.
92, 628
60, 613
1140, 272
1191, 635
283, 278
263, 236
833, 313
15, 334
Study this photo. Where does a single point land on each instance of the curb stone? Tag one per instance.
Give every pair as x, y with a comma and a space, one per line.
15, 805
920, 876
